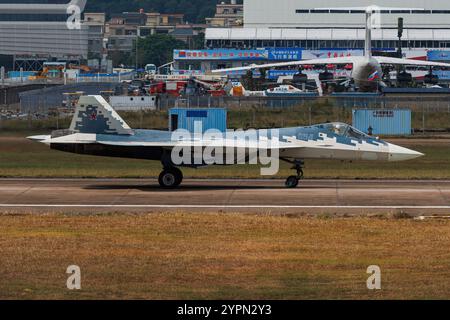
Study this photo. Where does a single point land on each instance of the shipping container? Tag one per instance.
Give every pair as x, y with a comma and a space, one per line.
212, 118
390, 122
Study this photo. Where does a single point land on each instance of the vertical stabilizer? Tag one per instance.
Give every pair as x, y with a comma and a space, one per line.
368, 39
94, 115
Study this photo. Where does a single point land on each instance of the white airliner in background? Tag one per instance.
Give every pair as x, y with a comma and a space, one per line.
367, 72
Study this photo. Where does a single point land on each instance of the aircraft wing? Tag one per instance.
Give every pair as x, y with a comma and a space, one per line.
221, 143
339, 60
412, 62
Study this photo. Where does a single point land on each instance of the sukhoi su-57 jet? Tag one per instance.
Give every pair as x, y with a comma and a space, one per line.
96, 129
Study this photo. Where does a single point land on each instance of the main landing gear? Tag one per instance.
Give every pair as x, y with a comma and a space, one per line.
170, 178
292, 181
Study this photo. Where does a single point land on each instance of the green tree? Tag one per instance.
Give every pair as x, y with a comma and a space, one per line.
199, 41
157, 49
119, 57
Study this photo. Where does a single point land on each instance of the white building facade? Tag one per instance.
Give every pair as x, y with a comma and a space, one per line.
314, 14
314, 25
38, 29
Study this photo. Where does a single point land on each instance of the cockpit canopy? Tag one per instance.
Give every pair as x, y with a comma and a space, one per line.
343, 129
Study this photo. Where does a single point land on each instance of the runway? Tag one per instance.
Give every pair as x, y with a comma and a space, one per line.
347, 197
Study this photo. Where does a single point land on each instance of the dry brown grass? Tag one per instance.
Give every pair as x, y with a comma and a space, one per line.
222, 256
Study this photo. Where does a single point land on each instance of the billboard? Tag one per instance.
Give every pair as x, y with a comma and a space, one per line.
220, 54
284, 54
275, 74
278, 54
331, 53
438, 55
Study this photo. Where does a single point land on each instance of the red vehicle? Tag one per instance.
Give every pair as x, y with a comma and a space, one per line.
175, 88
157, 88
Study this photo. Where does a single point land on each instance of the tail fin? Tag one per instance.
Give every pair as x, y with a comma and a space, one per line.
94, 115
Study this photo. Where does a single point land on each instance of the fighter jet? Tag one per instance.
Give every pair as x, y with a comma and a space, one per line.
96, 129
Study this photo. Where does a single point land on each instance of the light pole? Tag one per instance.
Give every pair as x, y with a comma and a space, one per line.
137, 52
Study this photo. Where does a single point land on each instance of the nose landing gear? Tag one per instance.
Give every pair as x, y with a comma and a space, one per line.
292, 181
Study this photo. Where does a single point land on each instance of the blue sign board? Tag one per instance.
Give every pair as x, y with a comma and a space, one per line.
275, 74
285, 54
197, 114
438, 55
278, 54
442, 75
220, 54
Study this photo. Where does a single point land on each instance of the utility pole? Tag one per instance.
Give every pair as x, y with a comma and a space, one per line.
137, 52
400, 35
399, 49
2, 75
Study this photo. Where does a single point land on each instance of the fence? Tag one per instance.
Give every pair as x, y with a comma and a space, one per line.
414, 102
429, 113
40, 101
11, 95
113, 78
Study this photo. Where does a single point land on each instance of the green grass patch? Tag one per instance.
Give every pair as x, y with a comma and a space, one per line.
22, 158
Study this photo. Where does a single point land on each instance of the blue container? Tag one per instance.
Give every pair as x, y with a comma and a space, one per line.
16, 74
389, 122
213, 118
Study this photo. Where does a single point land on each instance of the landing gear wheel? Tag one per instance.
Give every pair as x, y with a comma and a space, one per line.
179, 175
170, 178
292, 182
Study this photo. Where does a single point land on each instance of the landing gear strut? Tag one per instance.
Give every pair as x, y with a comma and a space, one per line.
170, 178
292, 181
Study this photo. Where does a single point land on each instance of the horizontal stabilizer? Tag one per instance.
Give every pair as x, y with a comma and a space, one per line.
39, 138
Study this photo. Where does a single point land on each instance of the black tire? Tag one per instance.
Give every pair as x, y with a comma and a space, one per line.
179, 175
291, 182
170, 178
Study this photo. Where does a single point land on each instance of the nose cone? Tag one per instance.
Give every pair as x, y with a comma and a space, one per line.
397, 153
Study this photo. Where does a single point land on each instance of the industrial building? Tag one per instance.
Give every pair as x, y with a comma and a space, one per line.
310, 25
34, 31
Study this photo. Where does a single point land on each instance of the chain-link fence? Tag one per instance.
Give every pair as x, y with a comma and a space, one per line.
430, 114
42, 100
